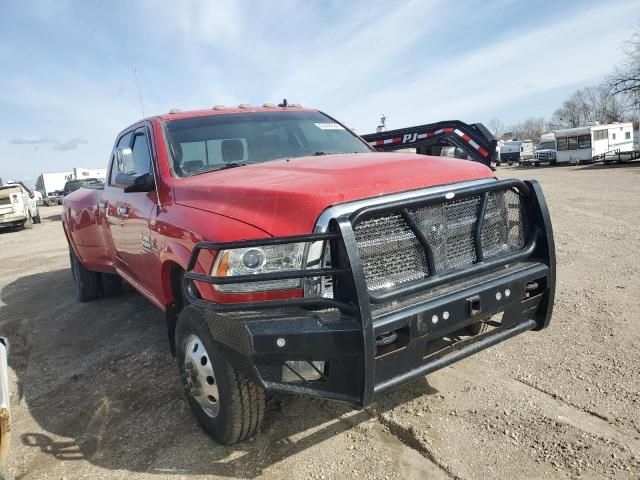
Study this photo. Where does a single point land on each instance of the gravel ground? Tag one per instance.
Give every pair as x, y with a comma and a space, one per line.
96, 391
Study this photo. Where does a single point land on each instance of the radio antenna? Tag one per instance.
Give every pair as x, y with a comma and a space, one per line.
135, 73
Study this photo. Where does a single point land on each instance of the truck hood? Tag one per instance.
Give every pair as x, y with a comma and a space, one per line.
286, 197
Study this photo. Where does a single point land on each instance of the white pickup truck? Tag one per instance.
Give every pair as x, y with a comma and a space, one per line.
17, 206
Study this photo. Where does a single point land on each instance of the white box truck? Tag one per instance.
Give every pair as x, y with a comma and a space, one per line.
49, 184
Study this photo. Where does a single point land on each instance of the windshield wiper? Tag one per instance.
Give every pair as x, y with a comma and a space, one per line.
231, 165
326, 152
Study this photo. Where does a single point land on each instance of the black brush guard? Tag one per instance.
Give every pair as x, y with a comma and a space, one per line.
347, 331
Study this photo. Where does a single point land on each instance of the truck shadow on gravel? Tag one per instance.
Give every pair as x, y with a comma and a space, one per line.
101, 386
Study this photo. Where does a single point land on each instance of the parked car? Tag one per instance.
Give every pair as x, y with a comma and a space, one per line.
18, 206
289, 257
54, 198
73, 185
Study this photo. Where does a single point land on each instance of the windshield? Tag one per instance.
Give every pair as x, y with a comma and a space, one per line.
547, 146
205, 144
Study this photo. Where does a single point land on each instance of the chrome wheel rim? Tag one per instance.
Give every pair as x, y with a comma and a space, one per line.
201, 381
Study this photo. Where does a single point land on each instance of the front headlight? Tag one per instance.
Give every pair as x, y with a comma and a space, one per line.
256, 260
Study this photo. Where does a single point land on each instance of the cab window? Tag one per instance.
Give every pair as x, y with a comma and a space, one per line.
124, 141
141, 158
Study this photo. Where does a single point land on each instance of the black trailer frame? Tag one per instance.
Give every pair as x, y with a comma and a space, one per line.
474, 139
347, 331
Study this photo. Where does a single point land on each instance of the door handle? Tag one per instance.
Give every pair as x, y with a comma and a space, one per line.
123, 210
102, 204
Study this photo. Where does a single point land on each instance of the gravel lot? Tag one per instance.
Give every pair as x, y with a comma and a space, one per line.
96, 392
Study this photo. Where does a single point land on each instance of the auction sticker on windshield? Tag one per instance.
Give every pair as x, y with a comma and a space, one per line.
329, 126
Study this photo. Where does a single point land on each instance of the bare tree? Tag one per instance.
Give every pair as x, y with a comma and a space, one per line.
531, 129
588, 106
496, 127
625, 80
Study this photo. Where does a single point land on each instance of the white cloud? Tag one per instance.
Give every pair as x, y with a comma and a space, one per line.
354, 60
71, 144
62, 146
543, 59
31, 140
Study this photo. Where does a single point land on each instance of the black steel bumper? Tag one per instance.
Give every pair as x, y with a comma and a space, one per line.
371, 344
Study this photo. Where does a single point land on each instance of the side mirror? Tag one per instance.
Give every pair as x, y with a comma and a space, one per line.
135, 183
31, 194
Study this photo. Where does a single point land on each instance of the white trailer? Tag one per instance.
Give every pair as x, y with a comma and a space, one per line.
80, 173
595, 142
516, 151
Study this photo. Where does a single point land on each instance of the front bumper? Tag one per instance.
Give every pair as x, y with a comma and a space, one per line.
369, 345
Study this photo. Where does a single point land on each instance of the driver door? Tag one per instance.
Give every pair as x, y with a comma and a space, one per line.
128, 214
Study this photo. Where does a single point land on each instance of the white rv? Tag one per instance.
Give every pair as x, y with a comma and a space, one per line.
516, 151
586, 144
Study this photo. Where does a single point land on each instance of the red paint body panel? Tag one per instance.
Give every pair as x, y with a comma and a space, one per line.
271, 199
287, 197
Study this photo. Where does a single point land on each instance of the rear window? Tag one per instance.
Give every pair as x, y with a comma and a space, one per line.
204, 144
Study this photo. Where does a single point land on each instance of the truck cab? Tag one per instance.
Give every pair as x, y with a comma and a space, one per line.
546, 151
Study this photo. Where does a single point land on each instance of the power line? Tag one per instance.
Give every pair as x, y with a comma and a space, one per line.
135, 73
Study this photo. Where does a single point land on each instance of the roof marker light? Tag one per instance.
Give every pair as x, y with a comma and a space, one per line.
173, 111
269, 105
295, 105
244, 105
218, 107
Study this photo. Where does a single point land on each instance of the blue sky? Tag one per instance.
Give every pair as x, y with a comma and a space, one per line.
67, 84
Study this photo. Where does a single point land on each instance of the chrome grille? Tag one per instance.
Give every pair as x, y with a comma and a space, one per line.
392, 255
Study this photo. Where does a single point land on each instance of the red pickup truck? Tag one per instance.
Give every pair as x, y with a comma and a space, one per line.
291, 257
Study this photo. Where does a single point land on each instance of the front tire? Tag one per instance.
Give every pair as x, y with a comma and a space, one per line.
87, 282
111, 284
227, 405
